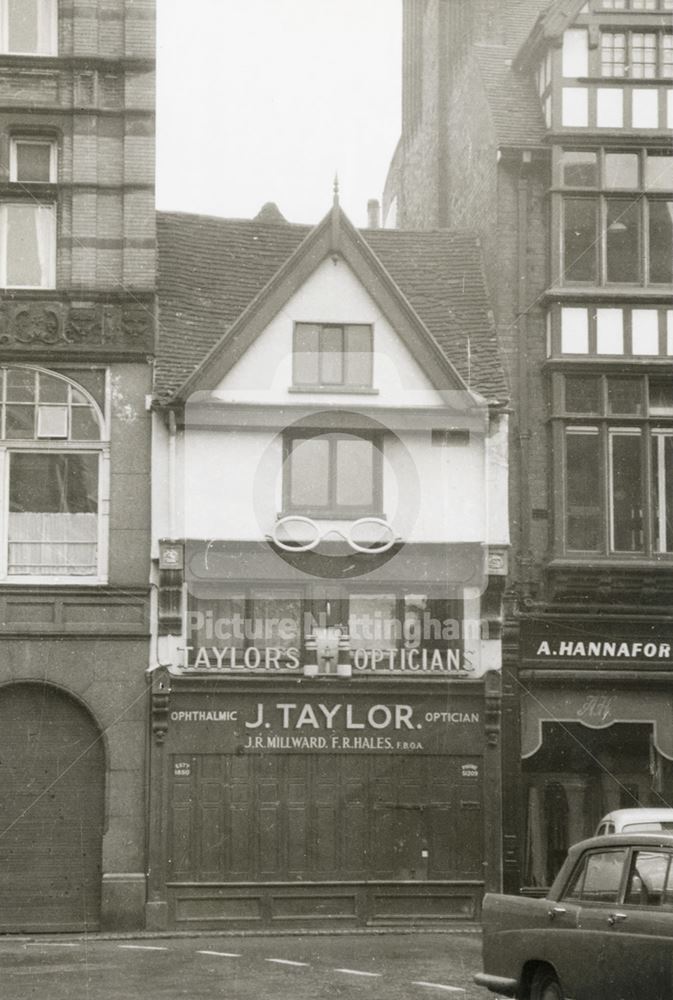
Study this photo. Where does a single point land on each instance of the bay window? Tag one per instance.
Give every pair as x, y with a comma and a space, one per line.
55, 471
616, 220
616, 433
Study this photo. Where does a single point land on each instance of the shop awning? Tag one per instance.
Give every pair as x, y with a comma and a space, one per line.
597, 708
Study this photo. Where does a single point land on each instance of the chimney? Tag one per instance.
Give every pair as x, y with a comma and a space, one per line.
373, 213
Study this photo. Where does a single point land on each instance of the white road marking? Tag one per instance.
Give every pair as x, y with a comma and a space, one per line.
440, 986
221, 954
286, 961
143, 947
356, 972
52, 944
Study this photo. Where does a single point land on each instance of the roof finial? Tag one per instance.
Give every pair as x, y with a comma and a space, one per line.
335, 189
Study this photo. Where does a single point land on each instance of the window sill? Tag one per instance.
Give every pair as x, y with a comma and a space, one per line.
333, 515
338, 390
54, 581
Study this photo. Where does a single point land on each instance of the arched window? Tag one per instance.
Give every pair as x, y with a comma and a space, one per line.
54, 475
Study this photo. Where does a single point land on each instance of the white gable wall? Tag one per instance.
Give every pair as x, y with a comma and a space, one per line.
333, 294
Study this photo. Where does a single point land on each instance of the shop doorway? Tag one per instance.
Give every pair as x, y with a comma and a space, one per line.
52, 778
577, 776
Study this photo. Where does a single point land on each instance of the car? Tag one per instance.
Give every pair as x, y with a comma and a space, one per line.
641, 820
604, 931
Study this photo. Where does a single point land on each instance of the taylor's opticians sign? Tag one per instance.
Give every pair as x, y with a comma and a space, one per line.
245, 724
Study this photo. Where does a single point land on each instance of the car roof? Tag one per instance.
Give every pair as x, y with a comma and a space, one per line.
642, 813
658, 837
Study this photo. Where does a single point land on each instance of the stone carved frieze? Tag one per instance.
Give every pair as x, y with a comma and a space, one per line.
64, 326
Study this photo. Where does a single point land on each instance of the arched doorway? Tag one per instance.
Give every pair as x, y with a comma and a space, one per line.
52, 778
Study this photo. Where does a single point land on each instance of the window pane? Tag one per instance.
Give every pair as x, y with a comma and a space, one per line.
33, 162
623, 241
331, 355
355, 472
582, 491
306, 359
662, 491
52, 390
661, 241
583, 394
57, 483
276, 621
83, 424
579, 239
22, 25
659, 172
648, 878
19, 421
609, 331
645, 331
359, 355
599, 877
53, 522
613, 53
29, 245
216, 621
643, 55
661, 396
625, 396
626, 492
579, 169
309, 472
372, 621
20, 385
621, 170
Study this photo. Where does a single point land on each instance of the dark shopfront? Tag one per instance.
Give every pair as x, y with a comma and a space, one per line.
596, 728
299, 800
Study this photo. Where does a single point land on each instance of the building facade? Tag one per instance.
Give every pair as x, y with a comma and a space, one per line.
331, 550
77, 272
547, 127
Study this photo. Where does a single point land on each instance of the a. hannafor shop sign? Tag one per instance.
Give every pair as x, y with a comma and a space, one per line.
597, 644
240, 723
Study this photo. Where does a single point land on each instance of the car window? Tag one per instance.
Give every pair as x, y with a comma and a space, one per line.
655, 826
598, 877
650, 881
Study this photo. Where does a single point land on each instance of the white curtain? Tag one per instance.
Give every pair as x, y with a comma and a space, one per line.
53, 544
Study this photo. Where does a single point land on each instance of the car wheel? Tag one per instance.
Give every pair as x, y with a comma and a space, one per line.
545, 986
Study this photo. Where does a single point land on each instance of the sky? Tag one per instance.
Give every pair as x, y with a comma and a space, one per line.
266, 100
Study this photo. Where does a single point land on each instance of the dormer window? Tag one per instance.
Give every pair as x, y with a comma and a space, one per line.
332, 356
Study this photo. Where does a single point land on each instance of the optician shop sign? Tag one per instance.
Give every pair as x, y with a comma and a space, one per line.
296, 724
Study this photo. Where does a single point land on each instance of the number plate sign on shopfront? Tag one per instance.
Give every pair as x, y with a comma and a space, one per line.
295, 724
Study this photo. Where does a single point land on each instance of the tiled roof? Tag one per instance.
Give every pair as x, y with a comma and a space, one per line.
512, 97
211, 269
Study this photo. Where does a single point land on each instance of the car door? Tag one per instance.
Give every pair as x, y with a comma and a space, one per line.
642, 927
593, 967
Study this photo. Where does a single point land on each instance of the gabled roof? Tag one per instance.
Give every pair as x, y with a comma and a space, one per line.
220, 281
